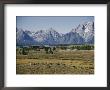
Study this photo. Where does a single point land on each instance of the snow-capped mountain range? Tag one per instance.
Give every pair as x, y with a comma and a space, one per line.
82, 34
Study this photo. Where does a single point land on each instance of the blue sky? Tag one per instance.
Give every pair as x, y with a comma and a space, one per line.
62, 24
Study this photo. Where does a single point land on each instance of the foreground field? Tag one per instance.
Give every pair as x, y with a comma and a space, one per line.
61, 62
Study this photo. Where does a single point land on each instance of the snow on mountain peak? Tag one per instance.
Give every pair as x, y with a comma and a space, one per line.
83, 33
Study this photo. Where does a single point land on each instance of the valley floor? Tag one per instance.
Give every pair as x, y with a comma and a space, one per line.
61, 62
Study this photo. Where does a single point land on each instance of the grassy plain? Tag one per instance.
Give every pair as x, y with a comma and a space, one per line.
60, 62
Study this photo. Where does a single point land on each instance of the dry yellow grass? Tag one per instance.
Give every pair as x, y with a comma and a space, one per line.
62, 62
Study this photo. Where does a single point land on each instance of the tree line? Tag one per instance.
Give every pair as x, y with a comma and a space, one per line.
50, 50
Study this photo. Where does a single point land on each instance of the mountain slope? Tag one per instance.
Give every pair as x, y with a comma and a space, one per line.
82, 34
72, 38
86, 31
23, 38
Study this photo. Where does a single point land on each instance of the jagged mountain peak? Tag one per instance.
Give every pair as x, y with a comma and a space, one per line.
51, 30
83, 33
40, 31
22, 38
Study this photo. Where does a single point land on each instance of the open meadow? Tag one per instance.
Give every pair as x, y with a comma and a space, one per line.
60, 62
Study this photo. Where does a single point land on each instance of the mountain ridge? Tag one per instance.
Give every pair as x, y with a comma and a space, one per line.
82, 34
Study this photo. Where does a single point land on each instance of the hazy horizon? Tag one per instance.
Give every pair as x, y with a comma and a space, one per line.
61, 24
